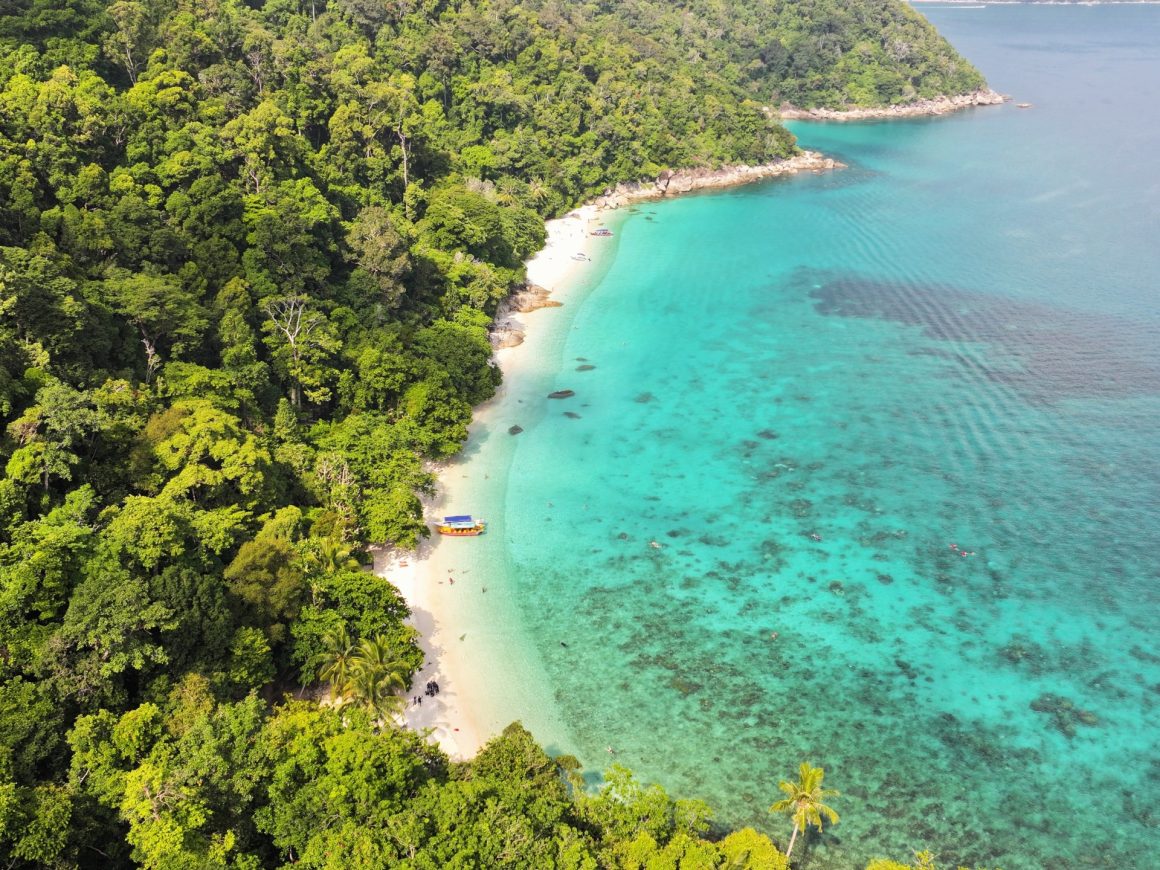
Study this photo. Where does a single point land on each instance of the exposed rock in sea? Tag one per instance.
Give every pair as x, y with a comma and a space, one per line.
935, 106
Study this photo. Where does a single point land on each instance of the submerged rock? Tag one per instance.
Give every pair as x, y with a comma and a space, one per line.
685, 687
571, 415
562, 394
1065, 715
801, 507
1015, 652
587, 367
515, 430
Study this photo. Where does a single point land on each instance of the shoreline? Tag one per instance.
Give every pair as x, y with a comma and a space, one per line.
445, 717
465, 714
934, 107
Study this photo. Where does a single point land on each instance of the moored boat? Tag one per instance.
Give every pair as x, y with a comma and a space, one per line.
463, 526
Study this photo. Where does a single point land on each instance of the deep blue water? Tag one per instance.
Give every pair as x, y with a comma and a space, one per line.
814, 396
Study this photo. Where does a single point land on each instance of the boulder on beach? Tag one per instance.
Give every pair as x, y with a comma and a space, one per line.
532, 298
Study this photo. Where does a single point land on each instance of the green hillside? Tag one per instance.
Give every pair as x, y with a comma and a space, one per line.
249, 256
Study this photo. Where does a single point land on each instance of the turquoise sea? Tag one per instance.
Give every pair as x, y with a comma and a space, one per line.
905, 416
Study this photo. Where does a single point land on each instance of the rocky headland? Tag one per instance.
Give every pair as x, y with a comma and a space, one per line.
673, 182
935, 106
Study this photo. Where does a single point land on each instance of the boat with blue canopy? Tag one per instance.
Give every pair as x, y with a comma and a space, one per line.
462, 526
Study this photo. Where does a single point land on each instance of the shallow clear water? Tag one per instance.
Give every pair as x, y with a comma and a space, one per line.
813, 396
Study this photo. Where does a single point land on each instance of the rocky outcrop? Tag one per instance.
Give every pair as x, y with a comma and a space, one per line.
671, 183
936, 106
507, 330
531, 297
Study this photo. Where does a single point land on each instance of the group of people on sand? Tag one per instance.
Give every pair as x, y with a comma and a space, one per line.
430, 691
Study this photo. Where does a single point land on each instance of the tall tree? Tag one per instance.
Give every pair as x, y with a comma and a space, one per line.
301, 338
161, 310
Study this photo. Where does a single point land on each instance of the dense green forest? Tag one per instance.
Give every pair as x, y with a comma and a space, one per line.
249, 257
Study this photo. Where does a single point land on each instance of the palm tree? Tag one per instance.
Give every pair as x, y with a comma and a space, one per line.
330, 555
376, 677
374, 687
538, 191
803, 802
337, 660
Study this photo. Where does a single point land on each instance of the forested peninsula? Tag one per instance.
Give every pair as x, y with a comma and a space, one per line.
250, 251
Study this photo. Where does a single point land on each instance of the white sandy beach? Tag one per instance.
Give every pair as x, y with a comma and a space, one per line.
567, 236
461, 655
